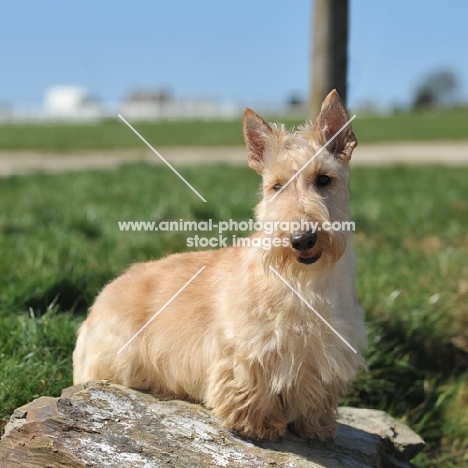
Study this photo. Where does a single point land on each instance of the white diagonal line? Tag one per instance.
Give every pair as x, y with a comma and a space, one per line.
161, 309
313, 310
162, 159
312, 158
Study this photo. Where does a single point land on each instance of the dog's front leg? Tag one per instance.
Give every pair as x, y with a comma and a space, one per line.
239, 394
318, 421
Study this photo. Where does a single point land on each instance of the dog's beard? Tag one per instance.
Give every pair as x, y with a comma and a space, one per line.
329, 248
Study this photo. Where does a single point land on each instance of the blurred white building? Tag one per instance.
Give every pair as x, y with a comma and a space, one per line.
71, 103
76, 104
156, 104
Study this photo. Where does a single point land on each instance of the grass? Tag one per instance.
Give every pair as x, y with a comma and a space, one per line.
60, 244
112, 134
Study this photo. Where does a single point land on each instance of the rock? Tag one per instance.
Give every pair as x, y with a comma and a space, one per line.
99, 424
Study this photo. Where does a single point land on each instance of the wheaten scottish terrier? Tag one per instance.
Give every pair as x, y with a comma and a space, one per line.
267, 339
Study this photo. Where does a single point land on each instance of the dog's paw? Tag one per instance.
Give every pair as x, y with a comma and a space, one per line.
325, 434
272, 430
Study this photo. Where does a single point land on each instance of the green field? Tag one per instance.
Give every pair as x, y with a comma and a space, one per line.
113, 134
60, 243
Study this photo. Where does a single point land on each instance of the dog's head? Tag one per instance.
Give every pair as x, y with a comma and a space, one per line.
305, 183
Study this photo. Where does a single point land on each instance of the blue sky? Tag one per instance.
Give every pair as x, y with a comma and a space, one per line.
248, 51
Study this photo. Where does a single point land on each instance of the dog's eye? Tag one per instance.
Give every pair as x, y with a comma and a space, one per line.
323, 180
277, 187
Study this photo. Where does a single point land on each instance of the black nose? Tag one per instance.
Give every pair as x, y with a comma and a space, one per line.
303, 240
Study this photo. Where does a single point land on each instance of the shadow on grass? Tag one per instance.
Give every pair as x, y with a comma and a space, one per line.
66, 294
408, 375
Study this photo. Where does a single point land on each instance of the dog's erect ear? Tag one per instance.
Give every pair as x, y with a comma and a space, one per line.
257, 134
332, 117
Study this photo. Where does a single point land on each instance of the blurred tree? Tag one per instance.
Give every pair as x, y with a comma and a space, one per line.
295, 100
437, 89
329, 61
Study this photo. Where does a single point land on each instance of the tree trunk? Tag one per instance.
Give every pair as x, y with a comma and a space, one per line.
329, 61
